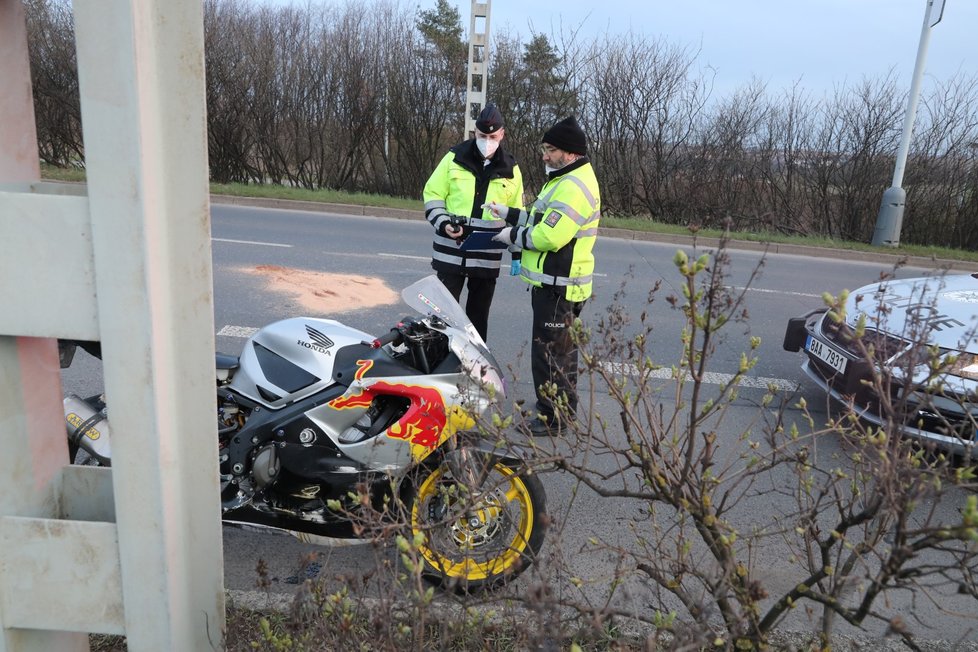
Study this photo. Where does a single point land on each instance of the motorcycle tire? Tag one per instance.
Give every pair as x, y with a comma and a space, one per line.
477, 539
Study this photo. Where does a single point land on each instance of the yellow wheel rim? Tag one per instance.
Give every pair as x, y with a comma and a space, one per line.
478, 519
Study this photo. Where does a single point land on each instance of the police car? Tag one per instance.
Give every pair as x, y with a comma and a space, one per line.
921, 337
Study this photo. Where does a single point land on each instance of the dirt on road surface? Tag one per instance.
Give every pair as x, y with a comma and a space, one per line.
325, 294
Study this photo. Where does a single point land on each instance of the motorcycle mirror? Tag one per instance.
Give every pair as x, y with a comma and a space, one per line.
66, 352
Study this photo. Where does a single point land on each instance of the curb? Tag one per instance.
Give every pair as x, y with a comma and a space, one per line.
622, 234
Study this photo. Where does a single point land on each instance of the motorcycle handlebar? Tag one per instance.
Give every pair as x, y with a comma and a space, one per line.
393, 336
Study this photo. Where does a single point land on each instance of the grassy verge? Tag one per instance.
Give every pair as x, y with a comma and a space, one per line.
323, 196
647, 225
52, 173
631, 223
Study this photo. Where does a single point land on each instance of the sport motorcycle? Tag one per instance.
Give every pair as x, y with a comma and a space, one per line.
326, 431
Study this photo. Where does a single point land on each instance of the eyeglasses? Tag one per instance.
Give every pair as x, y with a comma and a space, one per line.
547, 149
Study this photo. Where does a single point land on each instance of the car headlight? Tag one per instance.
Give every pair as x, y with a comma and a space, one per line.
964, 365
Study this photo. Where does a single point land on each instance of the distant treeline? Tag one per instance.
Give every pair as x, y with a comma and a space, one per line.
368, 96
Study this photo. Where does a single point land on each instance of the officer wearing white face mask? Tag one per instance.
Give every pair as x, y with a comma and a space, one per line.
472, 174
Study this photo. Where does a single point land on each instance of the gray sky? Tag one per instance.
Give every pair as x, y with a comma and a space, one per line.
820, 43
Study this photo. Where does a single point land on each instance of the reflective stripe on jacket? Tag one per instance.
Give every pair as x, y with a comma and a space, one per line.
558, 233
460, 185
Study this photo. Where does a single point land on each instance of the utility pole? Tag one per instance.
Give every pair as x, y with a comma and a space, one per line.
889, 222
475, 89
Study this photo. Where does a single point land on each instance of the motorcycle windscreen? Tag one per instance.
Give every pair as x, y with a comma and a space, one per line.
430, 297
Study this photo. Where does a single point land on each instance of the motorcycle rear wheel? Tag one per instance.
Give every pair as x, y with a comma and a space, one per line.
478, 538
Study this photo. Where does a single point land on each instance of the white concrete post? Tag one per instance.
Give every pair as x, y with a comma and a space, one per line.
475, 88
32, 435
141, 75
137, 549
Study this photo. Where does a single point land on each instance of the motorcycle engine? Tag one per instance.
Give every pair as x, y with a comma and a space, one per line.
266, 466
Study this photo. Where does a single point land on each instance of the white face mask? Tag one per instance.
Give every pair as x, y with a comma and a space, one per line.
486, 147
548, 169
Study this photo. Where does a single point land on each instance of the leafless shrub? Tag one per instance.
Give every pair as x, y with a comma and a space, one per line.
423, 102
709, 501
942, 174
782, 149
851, 158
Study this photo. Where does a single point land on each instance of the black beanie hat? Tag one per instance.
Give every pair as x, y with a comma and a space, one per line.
490, 120
568, 136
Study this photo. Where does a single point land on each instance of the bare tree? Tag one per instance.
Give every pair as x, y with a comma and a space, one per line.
783, 146
940, 177
646, 105
230, 136
852, 158
54, 77
424, 106
729, 184
369, 96
531, 84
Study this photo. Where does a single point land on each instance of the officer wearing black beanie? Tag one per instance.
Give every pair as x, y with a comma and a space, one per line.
557, 235
568, 136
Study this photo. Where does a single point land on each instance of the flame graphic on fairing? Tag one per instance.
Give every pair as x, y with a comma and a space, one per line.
426, 422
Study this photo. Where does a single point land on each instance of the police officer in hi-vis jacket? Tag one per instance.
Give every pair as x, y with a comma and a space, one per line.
472, 174
557, 236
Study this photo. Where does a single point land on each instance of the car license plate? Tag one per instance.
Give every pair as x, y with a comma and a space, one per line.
826, 354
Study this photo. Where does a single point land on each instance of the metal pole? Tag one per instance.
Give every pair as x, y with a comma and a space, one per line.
889, 222
475, 89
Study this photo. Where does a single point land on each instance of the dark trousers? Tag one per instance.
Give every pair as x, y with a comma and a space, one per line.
479, 298
553, 353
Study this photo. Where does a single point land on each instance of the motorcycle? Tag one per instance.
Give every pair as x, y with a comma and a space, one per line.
325, 431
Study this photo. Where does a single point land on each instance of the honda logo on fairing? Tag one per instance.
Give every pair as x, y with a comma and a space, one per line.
319, 342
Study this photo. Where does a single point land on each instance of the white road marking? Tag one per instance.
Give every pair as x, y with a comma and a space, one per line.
711, 378
763, 291
427, 258
237, 331
262, 244
404, 256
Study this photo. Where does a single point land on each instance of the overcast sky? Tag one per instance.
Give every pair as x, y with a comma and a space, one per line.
820, 43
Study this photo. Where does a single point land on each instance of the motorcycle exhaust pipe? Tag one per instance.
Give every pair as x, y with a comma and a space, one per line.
88, 428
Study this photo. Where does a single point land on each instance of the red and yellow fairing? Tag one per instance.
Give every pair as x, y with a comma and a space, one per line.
426, 424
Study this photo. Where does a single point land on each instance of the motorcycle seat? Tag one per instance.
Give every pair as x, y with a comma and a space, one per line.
225, 366
226, 362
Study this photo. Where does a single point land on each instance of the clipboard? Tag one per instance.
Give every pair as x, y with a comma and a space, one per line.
482, 240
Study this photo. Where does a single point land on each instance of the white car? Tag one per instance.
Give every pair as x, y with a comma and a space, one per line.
920, 335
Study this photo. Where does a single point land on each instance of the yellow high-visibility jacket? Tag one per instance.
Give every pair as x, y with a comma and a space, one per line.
460, 185
558, 232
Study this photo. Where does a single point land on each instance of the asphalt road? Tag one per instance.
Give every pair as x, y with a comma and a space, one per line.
398, 252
